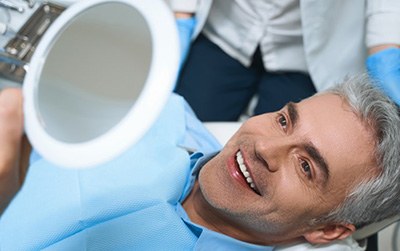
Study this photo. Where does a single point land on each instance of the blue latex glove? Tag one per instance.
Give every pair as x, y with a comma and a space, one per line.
185, 29
384, 68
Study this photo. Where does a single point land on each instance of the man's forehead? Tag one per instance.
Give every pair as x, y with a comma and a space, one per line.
326, 107
336, 131
330, 114
325, 98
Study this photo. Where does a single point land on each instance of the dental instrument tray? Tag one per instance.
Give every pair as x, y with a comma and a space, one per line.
17, 52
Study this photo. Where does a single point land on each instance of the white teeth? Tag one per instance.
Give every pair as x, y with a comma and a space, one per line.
243, 169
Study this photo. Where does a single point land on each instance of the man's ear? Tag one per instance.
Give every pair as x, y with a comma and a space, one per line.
329, 233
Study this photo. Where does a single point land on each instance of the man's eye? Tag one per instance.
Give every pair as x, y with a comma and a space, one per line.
282, 121
306, 168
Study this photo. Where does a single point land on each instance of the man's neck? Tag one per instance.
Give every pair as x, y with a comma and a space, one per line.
198, 212
202, 213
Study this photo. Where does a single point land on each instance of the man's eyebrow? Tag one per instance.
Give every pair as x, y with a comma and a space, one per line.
309, 147
319, 160
292, 113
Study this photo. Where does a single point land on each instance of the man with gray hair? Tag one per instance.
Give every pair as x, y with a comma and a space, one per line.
378, 198
313, 172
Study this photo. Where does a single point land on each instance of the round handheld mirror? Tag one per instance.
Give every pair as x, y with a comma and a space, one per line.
98, 79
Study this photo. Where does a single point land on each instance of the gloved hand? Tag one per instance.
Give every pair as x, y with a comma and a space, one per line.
185, 29
384, 68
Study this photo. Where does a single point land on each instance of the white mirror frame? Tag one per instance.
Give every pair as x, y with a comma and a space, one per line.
159, 85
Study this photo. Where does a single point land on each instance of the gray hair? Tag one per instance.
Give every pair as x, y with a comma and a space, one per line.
378, 198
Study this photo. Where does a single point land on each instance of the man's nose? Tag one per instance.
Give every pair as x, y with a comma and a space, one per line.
272, 152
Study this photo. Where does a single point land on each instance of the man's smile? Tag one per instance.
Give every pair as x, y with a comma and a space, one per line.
242, 174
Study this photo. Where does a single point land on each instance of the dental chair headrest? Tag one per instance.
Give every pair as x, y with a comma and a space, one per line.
373, 228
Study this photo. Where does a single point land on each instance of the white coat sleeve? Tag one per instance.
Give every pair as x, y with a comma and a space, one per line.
383, 22
183, 5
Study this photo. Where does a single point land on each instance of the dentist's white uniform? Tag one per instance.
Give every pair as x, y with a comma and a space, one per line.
336, 33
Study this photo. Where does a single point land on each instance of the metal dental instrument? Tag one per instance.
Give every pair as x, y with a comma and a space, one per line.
30, 3
16, 54
8, 5
11, 60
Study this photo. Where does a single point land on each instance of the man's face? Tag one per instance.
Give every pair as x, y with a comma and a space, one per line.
301, 161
